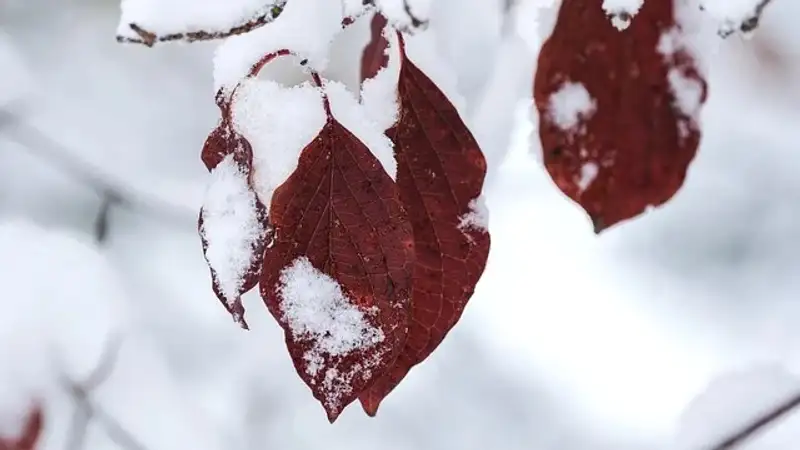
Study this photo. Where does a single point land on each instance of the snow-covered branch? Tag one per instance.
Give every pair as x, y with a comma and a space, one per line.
137, 16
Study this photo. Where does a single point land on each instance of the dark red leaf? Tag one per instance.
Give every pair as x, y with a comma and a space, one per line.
374, 56
29, 434
338, 220
440, 174
633, 148
231, 279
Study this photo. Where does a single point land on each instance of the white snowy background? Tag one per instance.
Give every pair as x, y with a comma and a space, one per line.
572, 341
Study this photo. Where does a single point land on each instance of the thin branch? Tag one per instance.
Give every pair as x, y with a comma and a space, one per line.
759, 424
86, 410
150, 38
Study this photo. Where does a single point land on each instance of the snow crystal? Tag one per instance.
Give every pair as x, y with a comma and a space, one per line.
354, 117
589, 172
732, 401
178, 16
379, 93
570, 104
316, 309
477, 218
231, 226
278, 122
235, 56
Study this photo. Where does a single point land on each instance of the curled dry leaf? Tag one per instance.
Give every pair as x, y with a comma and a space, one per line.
617, 110
337, 277
29, 435
233, 223
440, 174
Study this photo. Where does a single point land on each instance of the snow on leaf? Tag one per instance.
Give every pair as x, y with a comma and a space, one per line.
440, 174
233, 224
571, 104
622, 11
339, 213
643, 133
29, 435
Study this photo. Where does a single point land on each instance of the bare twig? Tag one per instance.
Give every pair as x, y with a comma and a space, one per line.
150, 38
759, 424
746, 26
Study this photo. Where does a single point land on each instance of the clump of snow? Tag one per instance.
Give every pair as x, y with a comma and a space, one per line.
379, 93
733, 401
622, 11
231, 227
589, 172
477, 218
571, 104
235, 56
316, 309
179, 16
353, 116
279, 122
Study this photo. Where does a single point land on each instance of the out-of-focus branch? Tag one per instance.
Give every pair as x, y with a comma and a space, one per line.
761, 422
115, 193
150, 38
86, 410
749, 24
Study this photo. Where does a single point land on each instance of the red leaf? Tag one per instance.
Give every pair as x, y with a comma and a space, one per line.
631, 148
29, 435
374, 56
338, 276
233, 224
440, 174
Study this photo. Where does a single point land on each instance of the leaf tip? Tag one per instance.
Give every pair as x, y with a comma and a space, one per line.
370, 405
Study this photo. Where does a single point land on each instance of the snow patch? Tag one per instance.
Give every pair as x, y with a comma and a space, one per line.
231, 227
733, 14
317, 310
279, 122
571, 104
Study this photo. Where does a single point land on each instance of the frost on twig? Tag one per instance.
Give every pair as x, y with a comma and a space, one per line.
136, 27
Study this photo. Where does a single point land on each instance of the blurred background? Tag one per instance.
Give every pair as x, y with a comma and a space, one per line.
572, 341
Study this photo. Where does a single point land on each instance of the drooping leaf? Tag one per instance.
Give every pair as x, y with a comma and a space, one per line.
617, 109
440, 174
374, 56
338, 275
29, 435
233, 224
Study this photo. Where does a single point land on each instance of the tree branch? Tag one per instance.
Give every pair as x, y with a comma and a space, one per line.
763, 421
150, 38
